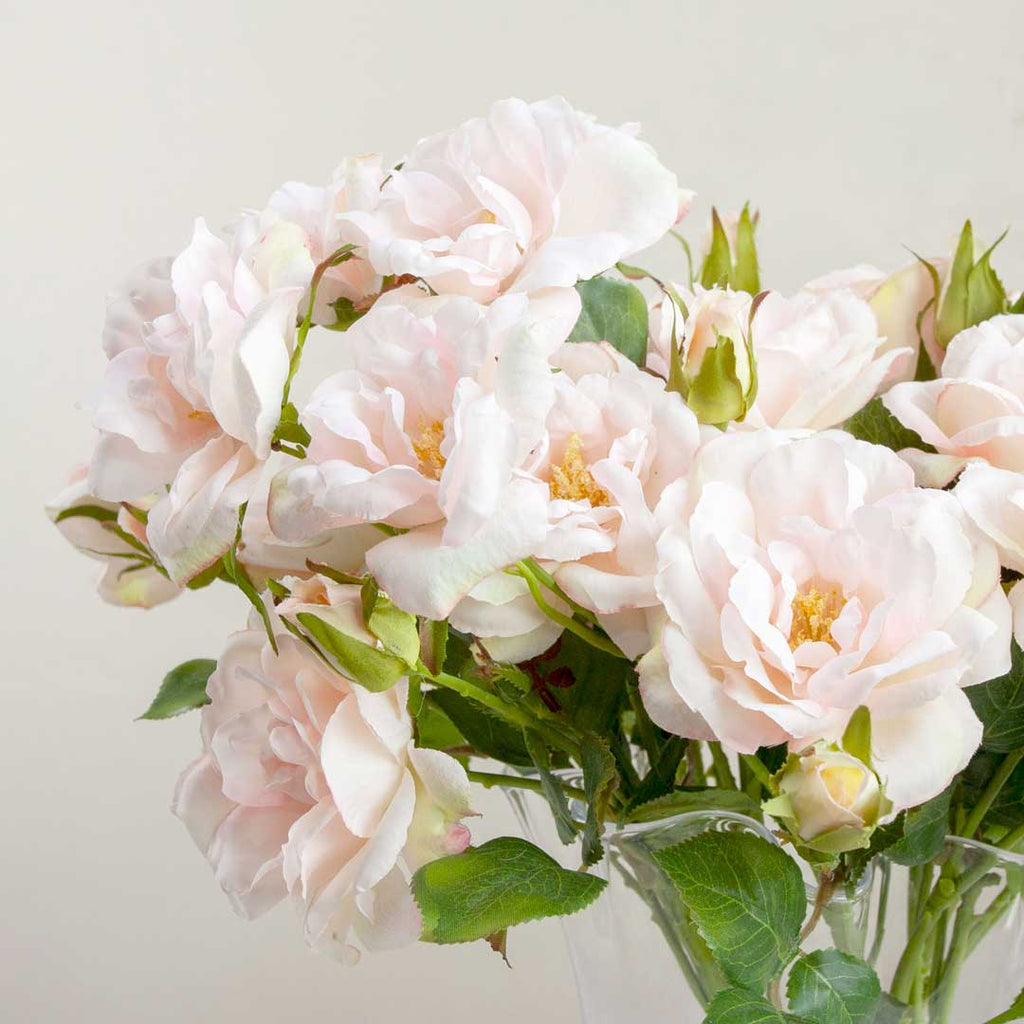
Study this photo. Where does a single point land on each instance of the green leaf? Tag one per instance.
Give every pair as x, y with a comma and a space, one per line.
746, 896
487, 734
1018, 306
183, 689
489, 888
552, 788
597, 684
716, 393
685, 801
745, 276
376, 670
616, 312
397, 631
599, 779
857, 737
741, 1006
346, 314
924, 831
831, 986
773, 758
1015, 1012
717, 267
874, 423
435, 729
999, 704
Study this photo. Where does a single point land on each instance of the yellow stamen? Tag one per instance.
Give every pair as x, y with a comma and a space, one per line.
572, 481
428, 449
487, 218
201, 414
813, 615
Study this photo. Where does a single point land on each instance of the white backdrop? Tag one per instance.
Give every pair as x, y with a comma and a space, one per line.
857, 128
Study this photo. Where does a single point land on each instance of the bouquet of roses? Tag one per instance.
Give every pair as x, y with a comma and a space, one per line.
640, 548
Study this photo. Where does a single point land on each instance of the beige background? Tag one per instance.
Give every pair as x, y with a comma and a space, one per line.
856, 127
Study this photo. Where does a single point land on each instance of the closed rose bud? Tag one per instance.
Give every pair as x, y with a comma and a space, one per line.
830, 800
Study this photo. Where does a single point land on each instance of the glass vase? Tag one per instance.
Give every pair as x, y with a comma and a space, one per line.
946, 940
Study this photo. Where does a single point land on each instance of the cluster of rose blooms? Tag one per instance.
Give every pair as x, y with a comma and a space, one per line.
770, 572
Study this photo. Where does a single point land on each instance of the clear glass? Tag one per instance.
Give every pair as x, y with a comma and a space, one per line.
636, 956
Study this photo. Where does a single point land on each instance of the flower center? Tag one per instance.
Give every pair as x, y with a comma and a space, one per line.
813, 615
572, 481
427, 447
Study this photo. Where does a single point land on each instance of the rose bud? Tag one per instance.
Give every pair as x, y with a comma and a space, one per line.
829, 800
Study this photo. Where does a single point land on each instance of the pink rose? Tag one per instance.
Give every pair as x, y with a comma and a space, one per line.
118, 541
820, 358
528, 197
803, 577
975, 409
311, 786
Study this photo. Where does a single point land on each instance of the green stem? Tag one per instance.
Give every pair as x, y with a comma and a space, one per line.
489, 779
1011, 839
593, 638
723, 773
531, 565
996, 783
883, 905
645, 727
337, 257
695, 764
758, 768
906, 977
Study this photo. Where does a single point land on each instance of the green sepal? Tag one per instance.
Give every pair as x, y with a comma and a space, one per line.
345, 314
716, 394
716, 270
745, 276
397, 631
857, 736
373, 669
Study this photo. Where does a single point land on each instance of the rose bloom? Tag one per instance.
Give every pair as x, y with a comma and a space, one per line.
804, 576
311, 786
442, 399
614, 440
129, 578
820, 358
975, 409
528, 197
199, 351
898, 300
973, 415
